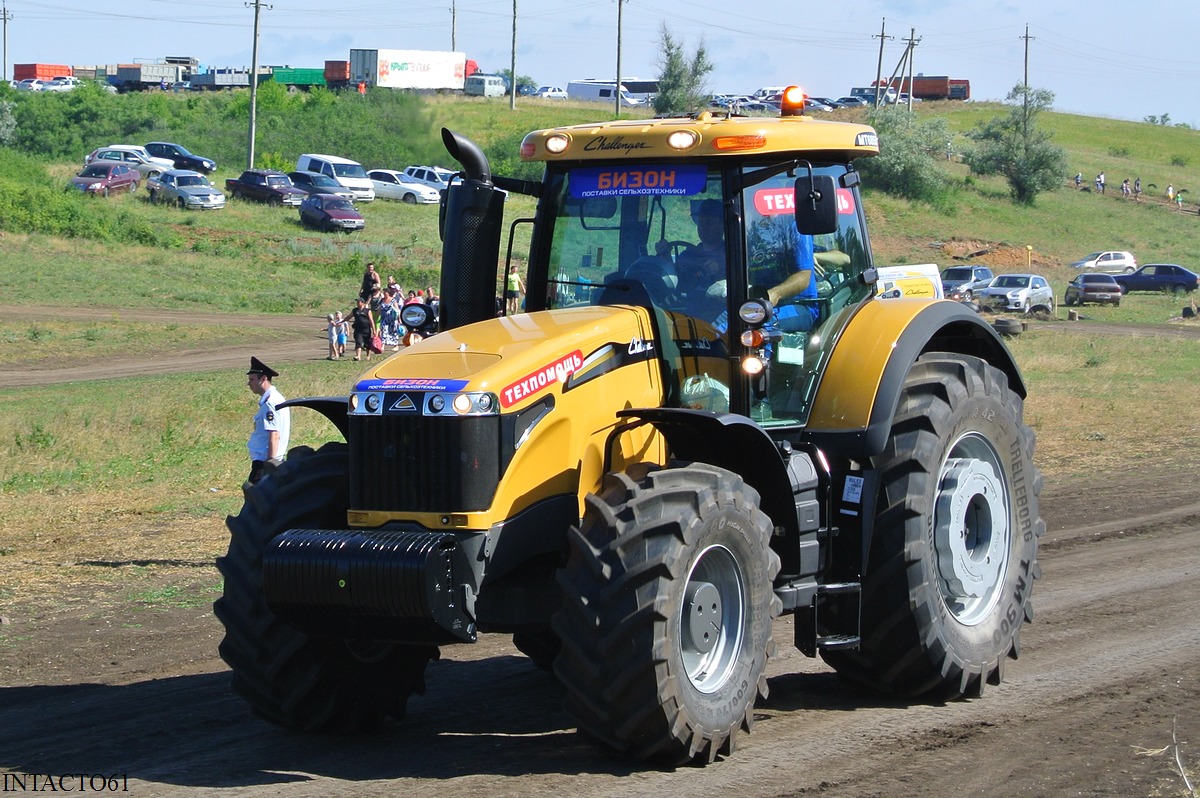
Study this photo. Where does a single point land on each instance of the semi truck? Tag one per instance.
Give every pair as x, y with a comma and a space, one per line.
669, 446
297, 79
143, 76
40, 71
418, 70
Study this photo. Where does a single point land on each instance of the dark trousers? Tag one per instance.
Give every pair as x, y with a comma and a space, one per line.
258, 469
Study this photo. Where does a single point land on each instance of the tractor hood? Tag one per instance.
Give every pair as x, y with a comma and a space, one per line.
522, 358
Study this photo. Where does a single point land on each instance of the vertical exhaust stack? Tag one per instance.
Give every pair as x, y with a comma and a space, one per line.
472, 213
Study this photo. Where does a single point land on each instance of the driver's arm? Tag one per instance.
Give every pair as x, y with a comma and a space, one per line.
794, 284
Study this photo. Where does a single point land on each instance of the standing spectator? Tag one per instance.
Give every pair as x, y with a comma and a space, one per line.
362, 87
412, 297
331, 330
1100, 182
1170, 192
1125, 189
272, 424
389, 321
513, 289
394, 286
1078, 180
1179, 200
341, 333
370, 282
1137, 189
363, 324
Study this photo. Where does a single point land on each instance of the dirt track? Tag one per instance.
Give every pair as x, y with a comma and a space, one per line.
1108, 669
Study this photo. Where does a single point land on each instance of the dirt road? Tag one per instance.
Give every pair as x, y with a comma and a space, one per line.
1107, 679
1107, 669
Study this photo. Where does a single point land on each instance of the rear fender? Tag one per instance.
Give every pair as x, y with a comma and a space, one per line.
856, 400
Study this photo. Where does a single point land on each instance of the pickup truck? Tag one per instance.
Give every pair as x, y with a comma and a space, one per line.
265, 185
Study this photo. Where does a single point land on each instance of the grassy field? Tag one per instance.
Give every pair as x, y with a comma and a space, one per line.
138, 474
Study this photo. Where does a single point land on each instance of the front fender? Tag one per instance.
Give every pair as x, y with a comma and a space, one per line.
856, 399
334, 408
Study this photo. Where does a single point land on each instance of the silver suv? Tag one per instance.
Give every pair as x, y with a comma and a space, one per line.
433, 176
1108, 262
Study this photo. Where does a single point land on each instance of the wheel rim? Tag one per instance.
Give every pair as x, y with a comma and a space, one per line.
971, 532
712, 619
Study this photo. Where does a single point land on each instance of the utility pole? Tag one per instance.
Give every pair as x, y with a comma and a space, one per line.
258, 6
1025, 85
512, 66
453, 26
5, 15
617, 88
879, 67
913, 40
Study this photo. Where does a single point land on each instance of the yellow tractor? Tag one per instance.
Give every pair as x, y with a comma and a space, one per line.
699, 418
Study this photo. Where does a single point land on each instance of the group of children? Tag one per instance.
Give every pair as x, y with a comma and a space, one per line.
337, 328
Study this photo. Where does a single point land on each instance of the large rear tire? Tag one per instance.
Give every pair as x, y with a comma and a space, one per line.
667, 613
297, 680
954, 551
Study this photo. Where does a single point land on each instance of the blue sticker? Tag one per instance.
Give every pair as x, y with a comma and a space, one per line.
411, 384
640, 179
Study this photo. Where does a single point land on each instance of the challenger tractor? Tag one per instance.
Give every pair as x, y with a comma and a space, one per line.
640, 471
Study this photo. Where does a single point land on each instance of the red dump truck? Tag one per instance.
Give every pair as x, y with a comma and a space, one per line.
934, 87
40, 71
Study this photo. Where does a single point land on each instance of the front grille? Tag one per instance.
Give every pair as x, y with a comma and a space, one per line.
415, 463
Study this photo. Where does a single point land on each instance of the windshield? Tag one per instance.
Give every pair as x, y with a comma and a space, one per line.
94, 171
957, 273
338, 204
1010, 281
191, 180
279, 181
665, 227
349, 170
324, 181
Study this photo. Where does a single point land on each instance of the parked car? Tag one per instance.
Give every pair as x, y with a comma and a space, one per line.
330, 212
550, 93
186, 189
107, 177
1093, 287
852, 102
1022, 292
394, 185
62, 83
313, 183
1113, 262
813, 104
30, 84
1159, 277
964, 281
433, 176
131, 156
264, 185
347, 172
182, 159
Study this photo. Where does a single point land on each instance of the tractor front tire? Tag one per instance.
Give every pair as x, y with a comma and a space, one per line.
294, 679
953, 556
667, 613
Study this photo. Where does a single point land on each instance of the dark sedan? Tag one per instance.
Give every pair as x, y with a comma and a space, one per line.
1159, 277
313, 183
106, 177
1093, 287
181, 157
330, 212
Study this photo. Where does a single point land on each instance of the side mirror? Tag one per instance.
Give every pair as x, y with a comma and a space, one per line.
816, 205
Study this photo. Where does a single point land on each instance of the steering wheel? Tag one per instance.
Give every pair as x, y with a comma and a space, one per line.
673, 247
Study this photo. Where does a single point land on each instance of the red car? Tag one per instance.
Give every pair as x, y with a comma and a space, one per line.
330, 212
106, 177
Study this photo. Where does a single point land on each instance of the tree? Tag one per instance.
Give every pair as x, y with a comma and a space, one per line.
909, 150
523, 81
8, 123
1015, 147
681, 83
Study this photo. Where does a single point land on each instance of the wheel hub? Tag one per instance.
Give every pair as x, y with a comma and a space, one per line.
968, 528
702, 616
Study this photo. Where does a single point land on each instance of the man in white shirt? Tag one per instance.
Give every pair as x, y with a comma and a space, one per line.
268, 442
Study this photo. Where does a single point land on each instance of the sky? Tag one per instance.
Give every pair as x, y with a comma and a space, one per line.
1099, 58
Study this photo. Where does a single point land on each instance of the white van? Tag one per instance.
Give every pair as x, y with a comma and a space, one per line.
767, 92
592, 90
485, 86
349, 173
